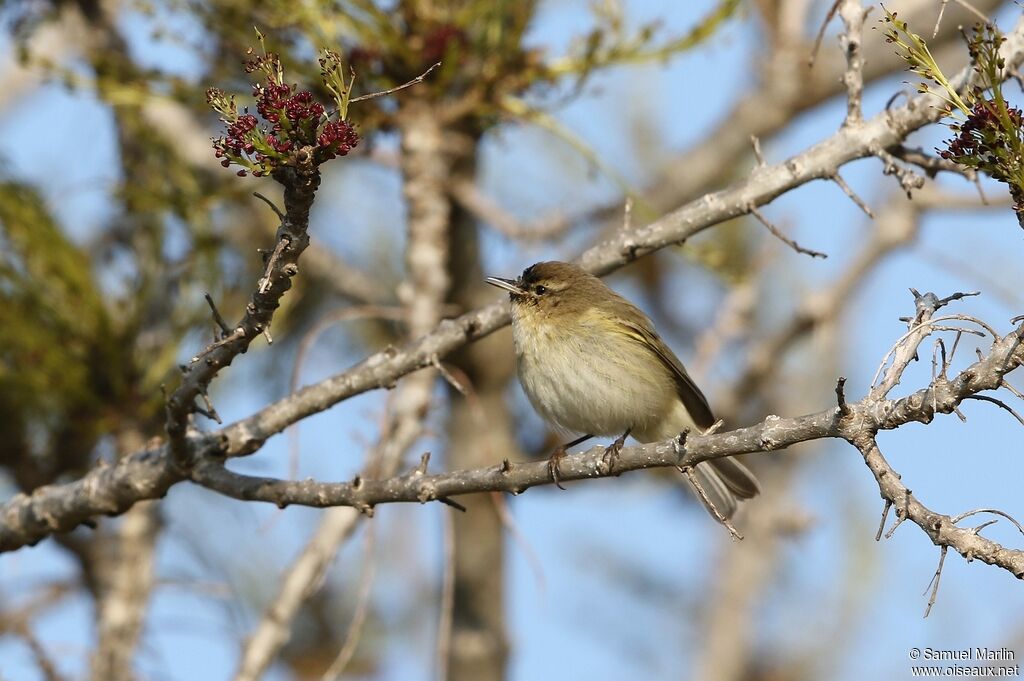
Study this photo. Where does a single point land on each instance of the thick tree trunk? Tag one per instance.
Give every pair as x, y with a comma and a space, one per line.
480, 433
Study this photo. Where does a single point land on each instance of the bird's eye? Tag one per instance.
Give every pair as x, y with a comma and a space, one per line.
540, 290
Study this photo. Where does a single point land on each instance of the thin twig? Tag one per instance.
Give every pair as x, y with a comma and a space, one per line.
490, 213
821, 32
938, 19
909, 334
974, 10
463, 389
273, 206
933, 584
362, 608
520, 539
391, 91
782, 237
881, 523
446, 611
210, 412
838, 179
900, 517
396, 314
993, 511
998, 402
702, 493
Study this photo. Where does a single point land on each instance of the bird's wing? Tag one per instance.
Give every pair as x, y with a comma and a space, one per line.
693, 399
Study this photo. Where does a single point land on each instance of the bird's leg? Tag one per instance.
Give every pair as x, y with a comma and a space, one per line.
612, 453
559, 454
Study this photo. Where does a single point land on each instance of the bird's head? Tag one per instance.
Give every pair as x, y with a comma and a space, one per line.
552, 288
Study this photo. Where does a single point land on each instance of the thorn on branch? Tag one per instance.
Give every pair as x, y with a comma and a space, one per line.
987, 523
451, 502
844, 408
422, 468
217, 318
209, 412
782, 237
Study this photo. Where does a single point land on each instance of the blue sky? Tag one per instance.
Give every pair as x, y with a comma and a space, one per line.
622, 560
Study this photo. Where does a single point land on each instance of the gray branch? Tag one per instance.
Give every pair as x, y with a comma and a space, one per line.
300, 184
774, 433
857, 424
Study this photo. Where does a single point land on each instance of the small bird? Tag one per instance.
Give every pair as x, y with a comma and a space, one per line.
591, 362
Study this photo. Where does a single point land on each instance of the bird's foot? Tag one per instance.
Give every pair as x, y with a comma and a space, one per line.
559, 454
611, 455
553, 460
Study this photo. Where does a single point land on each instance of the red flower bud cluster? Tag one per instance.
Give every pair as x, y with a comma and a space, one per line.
337, 139
290, 119
987, 141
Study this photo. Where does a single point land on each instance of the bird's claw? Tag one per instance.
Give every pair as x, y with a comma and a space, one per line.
553, 460
611, 454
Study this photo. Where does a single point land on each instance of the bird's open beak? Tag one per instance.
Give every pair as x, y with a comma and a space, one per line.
509, 285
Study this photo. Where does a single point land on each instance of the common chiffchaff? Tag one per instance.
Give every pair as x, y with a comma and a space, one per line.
591, 362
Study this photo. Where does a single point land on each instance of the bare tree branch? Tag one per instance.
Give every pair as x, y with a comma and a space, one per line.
148, 474
863, 419
300, 183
